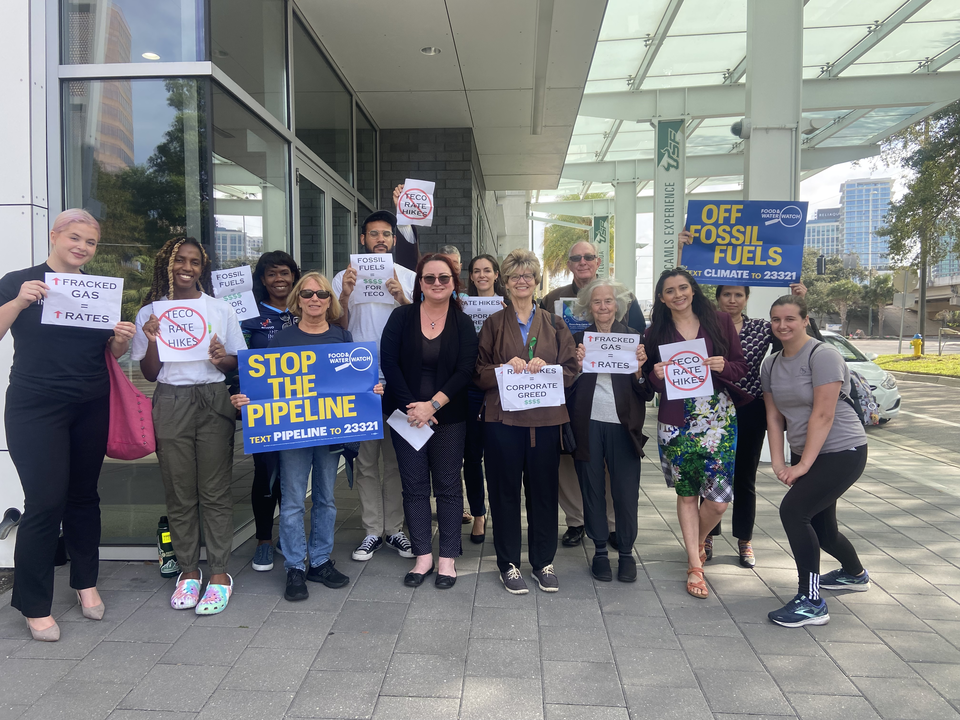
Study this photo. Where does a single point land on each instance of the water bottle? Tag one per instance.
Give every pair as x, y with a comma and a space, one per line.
169, 567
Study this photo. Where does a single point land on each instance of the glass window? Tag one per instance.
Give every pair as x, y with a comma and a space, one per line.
249, 184
323, 106
125, 31
247, 41
366, 157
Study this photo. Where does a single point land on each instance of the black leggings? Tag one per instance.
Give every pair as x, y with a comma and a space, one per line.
809, 512
265, 493
751, 430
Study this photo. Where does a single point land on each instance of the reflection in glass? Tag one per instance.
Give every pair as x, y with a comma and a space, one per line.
124, 31
249, 184
323, 106
247, 40
366, 157
344, 241
312, 246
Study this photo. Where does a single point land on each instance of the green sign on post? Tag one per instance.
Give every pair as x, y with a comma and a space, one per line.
601, 239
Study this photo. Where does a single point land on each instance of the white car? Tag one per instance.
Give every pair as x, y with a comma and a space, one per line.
882, 383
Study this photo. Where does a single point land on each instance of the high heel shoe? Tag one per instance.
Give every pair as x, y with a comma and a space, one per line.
50, 634
91, 613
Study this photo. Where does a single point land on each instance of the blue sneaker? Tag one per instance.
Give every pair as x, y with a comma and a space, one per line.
840, 580
799, 612
263, 558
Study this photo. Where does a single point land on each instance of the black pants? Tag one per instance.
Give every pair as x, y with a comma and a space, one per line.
513, 460
440, 459
809, 511
751, 429
473, 454
610, 444
265, 493
57, 448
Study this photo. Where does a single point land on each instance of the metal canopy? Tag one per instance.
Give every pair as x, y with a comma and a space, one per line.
870, 68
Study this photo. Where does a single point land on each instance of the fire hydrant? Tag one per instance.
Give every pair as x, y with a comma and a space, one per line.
917, 345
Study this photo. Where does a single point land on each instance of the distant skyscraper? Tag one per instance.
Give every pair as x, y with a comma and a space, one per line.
823, 232
864, 205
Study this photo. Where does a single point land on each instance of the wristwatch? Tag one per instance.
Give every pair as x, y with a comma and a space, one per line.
436, 405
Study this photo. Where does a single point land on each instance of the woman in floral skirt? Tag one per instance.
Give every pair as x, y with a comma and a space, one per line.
697, 437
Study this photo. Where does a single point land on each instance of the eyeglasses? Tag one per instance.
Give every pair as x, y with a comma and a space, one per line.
578, 258
526, 277
433, 279
377, 233
307, 294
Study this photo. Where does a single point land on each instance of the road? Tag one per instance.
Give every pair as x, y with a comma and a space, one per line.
928, 420
889, 347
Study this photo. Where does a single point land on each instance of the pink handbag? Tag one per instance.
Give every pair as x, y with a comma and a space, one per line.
130, 436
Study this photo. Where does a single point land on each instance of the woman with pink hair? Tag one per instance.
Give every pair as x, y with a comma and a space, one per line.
56, 415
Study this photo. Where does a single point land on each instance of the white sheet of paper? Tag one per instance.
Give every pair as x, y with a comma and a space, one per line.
480, 308
373, 271
185, 330
529, 390
417, 437
687, 376
76, 300
610, 353
244, 304
415, 204
231, 281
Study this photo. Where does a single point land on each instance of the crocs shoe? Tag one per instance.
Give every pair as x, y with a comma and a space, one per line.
215, 599
187, 593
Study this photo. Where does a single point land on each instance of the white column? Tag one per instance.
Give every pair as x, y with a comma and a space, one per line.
773, 95
625, 234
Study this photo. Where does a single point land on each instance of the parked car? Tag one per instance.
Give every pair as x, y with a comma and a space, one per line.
882, 383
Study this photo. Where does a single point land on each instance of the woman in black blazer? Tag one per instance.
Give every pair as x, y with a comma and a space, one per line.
428, 353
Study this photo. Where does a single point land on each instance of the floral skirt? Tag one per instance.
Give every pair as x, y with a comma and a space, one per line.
698, 457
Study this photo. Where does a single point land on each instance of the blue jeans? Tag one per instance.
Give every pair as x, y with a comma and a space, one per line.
295, 466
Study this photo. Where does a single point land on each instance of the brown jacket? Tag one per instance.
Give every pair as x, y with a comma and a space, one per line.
500, 340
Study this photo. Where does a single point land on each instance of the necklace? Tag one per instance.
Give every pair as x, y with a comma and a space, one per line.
433, 323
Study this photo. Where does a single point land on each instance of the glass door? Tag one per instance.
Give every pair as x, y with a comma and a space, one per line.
325, 220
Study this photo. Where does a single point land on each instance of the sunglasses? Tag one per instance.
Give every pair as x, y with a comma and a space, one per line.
433, 279
307, 294
578, 258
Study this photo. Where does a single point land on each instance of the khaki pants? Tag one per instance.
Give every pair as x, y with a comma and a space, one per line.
195, 426
381, 496
571, 501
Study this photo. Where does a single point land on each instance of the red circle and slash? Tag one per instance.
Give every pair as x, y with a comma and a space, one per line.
422, 212
702, 380
203, 324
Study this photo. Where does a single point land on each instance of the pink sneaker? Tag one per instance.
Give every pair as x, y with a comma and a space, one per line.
215, 599
187, 593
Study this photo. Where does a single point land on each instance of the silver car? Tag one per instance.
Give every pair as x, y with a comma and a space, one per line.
882, 383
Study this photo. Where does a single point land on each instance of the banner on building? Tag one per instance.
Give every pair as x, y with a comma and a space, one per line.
668, 194
601, 240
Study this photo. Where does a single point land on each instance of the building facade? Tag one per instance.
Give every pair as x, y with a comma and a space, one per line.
864, 205
823, 232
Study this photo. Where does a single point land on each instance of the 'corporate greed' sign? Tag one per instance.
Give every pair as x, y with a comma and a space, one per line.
310, 395
88, 301
522, 391
758, 243
480, 308
610, 353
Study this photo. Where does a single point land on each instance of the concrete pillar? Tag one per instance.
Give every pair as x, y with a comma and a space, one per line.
625, 235
773, 95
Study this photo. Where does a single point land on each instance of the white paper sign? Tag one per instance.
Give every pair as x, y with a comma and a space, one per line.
244, 305
76, 300
373, 271
610, 353
480, 308
185, 331
416, 436
231, 281
415, 204
687, 376
529, 390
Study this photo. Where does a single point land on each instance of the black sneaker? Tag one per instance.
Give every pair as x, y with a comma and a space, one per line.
600, 568
398, 541
296, 586
572, 536
547, 579
328, 575
366, 549
840, 580
513, 581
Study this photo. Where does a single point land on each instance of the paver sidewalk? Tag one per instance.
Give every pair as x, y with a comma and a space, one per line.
604, 651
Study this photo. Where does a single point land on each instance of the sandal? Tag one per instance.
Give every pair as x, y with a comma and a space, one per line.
187, 593
467, 518
215, 599
697, 588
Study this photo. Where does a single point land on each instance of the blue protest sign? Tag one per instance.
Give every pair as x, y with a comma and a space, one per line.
758, 243
309, 395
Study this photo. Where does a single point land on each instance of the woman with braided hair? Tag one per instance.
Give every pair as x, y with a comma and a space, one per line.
194, 423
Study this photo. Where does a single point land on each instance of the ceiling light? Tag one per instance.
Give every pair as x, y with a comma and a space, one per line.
430, 50
150, 56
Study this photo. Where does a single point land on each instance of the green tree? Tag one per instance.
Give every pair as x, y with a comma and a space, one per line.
558, 239
844, 294
878, 294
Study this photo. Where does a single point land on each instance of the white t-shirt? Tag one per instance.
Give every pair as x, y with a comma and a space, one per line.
367, 320
197, 372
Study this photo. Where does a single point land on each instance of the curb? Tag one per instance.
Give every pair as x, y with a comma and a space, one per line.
930, 379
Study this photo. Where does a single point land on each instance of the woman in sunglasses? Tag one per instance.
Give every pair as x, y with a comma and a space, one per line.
428, 352
314, 303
